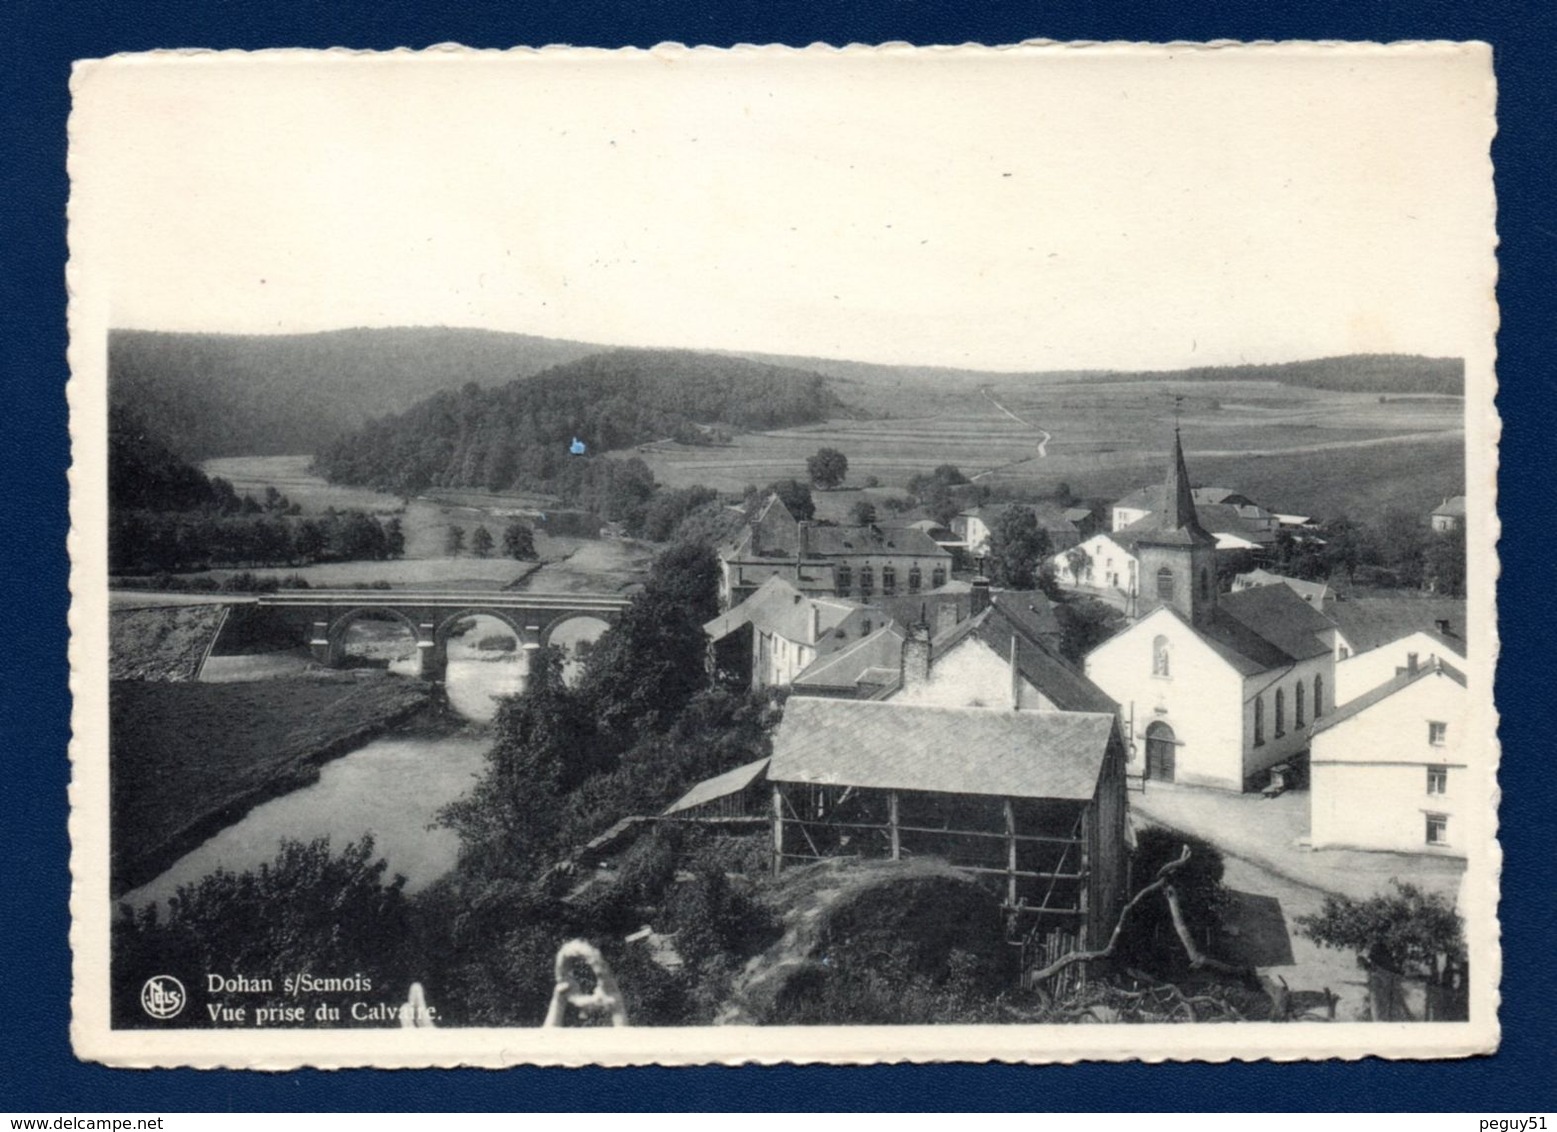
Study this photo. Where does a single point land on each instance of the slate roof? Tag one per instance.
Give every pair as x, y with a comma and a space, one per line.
719, 786
1038, 662
1362, 703
846, 668
779, 607
842, 542
1454, 505
1018, 754
1279, 617
1149, 498
1370, 622
1315, 593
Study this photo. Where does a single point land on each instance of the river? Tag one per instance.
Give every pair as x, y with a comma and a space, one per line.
393, 788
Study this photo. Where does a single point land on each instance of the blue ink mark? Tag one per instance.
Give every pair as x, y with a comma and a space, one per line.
577, 447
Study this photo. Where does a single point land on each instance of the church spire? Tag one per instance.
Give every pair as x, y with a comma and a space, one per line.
1178, 501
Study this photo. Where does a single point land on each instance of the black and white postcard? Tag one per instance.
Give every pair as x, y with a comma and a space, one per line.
842, 555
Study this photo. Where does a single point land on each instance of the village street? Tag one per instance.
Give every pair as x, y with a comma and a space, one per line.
1274, 880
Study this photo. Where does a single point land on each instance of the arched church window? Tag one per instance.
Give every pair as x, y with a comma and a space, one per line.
1259, 720
1281, 713
1160, 656
1164, 584
1297, 704
1319, 696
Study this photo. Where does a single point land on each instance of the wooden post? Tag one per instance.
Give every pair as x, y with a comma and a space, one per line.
1010, 853
897, 844
1086, 931
778, 829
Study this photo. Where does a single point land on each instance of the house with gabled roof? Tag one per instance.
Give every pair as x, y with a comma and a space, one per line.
1391, 769
1378, 638
848, 562
1215, 688
778, 631
1448, 515
1317, 594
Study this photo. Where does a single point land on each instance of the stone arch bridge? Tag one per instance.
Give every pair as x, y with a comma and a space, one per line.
431, 616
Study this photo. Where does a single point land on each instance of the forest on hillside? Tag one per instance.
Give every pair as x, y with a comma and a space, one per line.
521, 434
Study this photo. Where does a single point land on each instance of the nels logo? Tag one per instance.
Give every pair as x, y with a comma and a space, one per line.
163, 996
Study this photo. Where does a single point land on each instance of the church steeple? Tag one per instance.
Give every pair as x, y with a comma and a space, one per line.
1178, 500
1176, 555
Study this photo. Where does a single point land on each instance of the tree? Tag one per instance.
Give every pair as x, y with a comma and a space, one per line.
828, 468
1079, 562
454, 541
306, 910
1445, 562
796, 496
863, 513
519, 542
481, 542
394, 538
688, 573
1407, 931
1017, 547
1085, 623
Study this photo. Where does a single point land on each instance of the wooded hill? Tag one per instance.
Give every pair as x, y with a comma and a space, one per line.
519, 434
288, 394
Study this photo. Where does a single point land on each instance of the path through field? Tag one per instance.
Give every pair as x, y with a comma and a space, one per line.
1043, 444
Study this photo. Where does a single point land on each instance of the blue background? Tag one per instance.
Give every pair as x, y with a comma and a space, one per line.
39, 40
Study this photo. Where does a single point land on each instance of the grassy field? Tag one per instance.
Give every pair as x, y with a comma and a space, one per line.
567, 565
1312, 451
189, 759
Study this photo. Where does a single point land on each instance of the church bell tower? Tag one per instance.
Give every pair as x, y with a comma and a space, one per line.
1177, 555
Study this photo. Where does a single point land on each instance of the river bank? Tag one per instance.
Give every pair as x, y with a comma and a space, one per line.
190, 759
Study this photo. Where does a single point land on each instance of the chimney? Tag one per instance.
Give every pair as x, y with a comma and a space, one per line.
1411, 663
816, 623
979, 601
916, 655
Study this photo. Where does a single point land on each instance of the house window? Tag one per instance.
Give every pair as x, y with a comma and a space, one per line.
1342, 652
1437, 780
1319, 696
1164, 584
845, 580
889, 580
1160, 656
865, 628
867, 581
1281, 713
1436, 733
915, 579
938, 577
1297, 705
1438, 829
1259, 721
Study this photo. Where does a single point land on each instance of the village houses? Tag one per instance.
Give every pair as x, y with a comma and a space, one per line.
1390, 770
1217, 688
818, 560
1378, 638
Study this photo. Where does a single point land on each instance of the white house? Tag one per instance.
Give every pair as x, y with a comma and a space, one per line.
1101, 564
976, 527
777, 632
1218, 688
1379, 638
1316, 594
1390, 769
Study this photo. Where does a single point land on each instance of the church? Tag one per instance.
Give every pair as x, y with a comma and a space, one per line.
1215, 689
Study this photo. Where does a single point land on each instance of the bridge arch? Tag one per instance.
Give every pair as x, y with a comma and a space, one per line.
587, 619
338, 626
446, 626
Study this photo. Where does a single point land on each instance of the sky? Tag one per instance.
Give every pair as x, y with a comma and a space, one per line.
1017, 210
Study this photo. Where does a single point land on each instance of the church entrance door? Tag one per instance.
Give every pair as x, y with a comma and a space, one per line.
1161, 750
